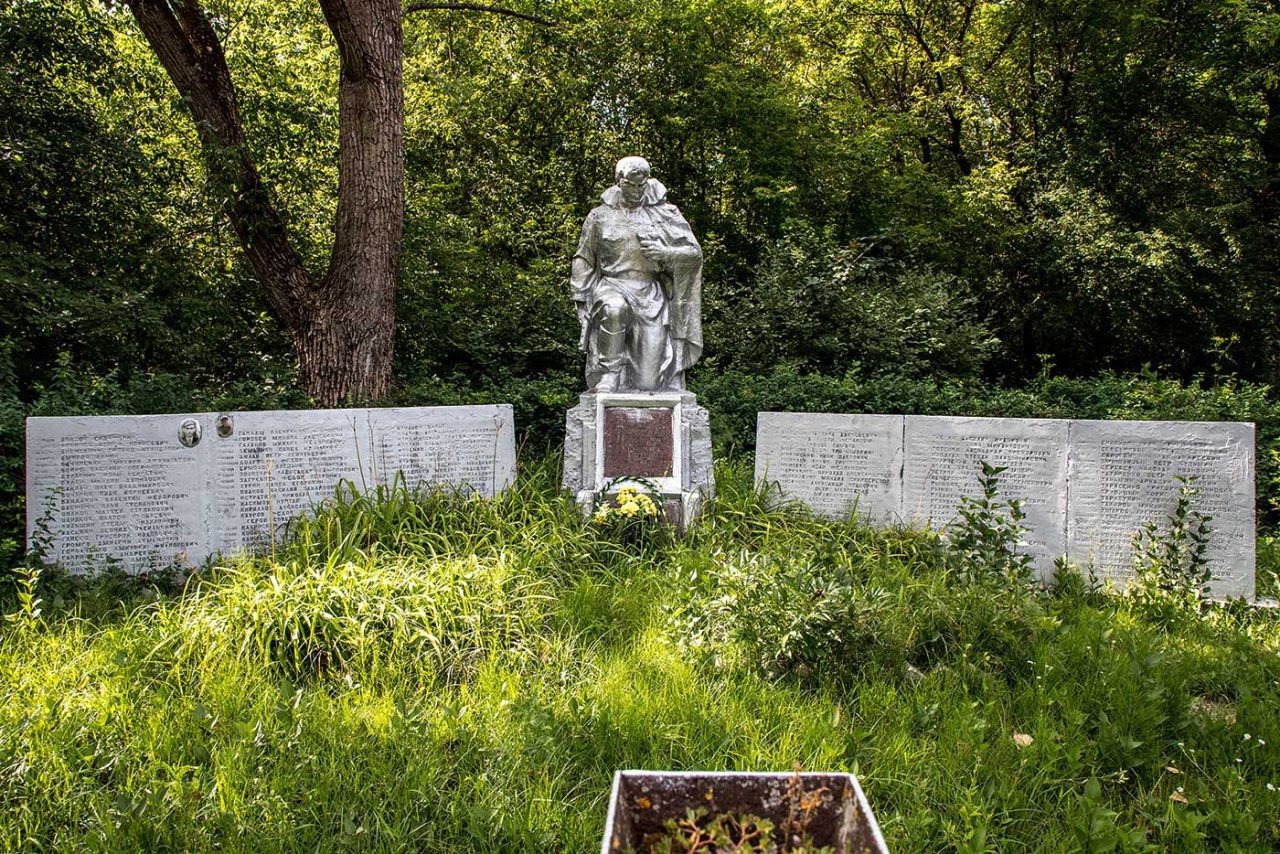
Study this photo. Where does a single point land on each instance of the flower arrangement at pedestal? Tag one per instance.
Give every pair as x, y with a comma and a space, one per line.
632, 511
629, 503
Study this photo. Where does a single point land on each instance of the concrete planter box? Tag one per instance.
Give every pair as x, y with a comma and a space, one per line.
643, 800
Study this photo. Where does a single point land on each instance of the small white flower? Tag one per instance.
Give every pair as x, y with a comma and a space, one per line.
1271, 787
1238, 759
1247, 736
1262, 742
1179, 790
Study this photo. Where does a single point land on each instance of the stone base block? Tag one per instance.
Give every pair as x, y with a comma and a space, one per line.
661, 437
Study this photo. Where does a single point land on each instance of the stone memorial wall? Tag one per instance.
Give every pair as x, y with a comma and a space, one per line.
834, 462
944, 456
1086, 486
148, 490
1123, 475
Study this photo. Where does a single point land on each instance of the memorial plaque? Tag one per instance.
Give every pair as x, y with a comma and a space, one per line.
151, 490
118, 488
471, 448
638, 441
1123, 475
274, 466
944, 458
1086, 486
833, 463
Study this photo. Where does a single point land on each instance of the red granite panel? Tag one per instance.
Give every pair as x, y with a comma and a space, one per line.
637, 441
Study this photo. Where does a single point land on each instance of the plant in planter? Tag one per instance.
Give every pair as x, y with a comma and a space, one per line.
712, 812
701, 831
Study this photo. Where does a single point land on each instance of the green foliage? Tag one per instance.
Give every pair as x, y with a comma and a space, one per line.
984, 540
804, 618
28, 613
315, 619
698, 830
301, 703
106, 252
815, 616
821, 307
1171, 561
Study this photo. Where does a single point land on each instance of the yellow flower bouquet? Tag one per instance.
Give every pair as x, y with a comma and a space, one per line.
635, 506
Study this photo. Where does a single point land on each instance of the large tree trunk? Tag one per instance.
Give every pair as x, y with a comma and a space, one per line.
346, 350
343, 322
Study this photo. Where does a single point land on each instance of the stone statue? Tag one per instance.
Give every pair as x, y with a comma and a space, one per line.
637, 285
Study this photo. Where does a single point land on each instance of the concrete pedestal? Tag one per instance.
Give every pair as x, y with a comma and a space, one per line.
662, 437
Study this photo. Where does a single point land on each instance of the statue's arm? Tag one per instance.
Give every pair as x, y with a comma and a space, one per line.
584, 261
685, 253
680, 248
582, 273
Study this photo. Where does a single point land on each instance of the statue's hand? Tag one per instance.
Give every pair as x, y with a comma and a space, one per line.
653, 251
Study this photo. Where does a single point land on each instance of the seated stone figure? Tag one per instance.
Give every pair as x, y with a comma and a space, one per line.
637, 285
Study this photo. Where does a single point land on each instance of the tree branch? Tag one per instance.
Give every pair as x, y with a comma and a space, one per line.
180, 33
338, 16
477, 7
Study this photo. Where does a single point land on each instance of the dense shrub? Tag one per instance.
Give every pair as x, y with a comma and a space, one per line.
803, 617
824, 308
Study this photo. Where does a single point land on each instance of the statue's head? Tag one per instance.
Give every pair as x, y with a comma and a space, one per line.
631, 174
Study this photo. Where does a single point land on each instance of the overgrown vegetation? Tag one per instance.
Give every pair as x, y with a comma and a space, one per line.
1171, 556
440, 673
986, 539
1052, 209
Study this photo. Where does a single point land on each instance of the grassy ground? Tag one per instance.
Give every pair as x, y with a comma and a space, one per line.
451, 675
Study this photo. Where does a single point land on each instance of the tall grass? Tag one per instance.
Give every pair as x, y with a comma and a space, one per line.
444, 673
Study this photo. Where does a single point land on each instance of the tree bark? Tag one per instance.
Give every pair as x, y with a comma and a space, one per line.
342, 324
349, 351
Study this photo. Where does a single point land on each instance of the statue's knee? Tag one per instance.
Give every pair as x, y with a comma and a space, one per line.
612, 311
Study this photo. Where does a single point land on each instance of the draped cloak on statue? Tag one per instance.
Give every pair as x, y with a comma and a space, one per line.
660, 302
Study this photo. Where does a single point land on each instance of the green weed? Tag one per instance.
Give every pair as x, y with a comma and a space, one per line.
1171, 561
987, 538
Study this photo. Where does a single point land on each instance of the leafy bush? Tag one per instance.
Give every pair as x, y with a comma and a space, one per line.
985, 539
1171, 562
806, 613
819, 306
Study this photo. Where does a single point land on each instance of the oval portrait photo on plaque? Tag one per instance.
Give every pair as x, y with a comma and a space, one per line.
189, 432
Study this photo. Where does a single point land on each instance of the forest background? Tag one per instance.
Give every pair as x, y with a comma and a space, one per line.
1049, 208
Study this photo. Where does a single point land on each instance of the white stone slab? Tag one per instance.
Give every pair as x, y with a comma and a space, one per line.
126, 488
122, 488
1123, 476
944, 458
833, 463
469, 447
